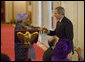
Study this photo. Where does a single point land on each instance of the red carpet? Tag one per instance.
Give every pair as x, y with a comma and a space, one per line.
7, 40
39, 53
7, 46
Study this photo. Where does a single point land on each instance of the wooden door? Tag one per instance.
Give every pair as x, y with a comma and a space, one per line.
2, 11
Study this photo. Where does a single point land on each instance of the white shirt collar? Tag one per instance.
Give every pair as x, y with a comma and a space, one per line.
61, 19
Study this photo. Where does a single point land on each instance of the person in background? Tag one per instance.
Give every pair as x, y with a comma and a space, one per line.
49, 52
64, 27
59, 50
62, 50
4, 57
79, 51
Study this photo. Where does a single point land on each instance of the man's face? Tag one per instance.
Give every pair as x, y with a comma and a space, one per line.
56, 14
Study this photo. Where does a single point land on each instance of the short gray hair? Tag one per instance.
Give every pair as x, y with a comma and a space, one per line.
60, 10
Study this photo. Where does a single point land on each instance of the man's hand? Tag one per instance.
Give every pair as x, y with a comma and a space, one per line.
57, 38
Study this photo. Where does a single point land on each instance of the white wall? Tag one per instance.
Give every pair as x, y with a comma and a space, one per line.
8, 10
46, 14
81, 26
19, 7
36, 16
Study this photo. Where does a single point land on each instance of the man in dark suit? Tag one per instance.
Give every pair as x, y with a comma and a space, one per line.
64, 27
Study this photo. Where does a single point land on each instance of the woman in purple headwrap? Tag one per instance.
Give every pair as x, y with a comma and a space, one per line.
22, 24
22, 21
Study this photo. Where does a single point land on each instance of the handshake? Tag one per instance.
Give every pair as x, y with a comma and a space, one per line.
41, 29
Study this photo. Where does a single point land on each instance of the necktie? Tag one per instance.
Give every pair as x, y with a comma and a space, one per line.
58, 24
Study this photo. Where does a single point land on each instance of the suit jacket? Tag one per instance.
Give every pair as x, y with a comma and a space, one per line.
48, 54
65, 31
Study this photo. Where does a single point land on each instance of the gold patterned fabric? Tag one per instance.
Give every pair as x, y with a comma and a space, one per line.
27, 38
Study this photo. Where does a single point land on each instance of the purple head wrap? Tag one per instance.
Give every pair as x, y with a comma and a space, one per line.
62, 48
21, 17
